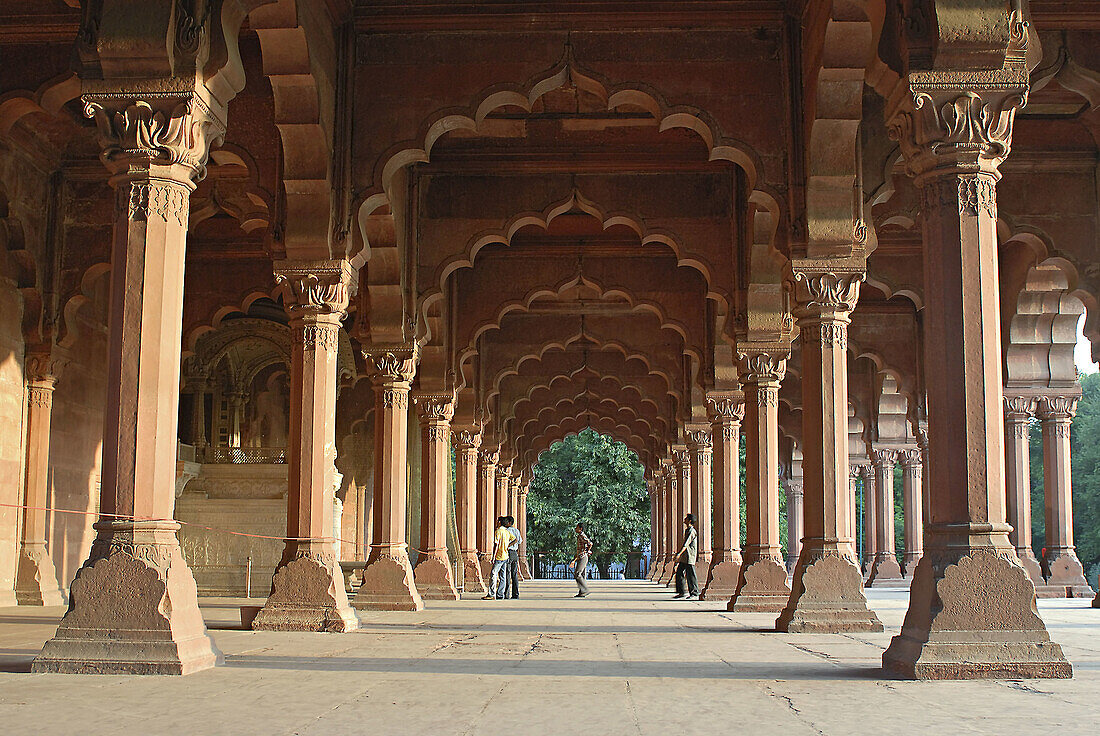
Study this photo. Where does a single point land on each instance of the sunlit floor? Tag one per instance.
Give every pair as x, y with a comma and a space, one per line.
627, 660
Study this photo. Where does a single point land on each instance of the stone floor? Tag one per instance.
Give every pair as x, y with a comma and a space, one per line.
627, 660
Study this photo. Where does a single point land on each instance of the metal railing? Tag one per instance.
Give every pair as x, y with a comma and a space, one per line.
544, 569
244, 455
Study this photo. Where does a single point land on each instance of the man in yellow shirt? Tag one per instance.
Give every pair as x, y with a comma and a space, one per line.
501, 538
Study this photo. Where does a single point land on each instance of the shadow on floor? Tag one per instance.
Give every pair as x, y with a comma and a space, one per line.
561, 668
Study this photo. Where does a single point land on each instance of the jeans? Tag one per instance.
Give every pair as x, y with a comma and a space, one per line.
685, 573
511, 589
580, 573
496, 578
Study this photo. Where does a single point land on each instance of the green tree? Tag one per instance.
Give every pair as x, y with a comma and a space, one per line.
591, 479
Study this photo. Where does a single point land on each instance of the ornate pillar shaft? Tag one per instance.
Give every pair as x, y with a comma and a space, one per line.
795, 529
466, 442
1064, 573
673, 513
1018, 410
955, 128
870, 512
35, 575
659, 549
432, 573
307, 592
388, 578
726, 412
762, 581
914, 508
133, 605
521, 521
700, 457
486, 508
854, 472
198, 415
885, 570
503, 481
827, 587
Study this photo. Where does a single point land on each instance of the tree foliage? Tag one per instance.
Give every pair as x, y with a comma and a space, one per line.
592, 479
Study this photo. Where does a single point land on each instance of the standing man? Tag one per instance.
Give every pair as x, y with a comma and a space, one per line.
580, 571
500, 561
685, 561
512, 589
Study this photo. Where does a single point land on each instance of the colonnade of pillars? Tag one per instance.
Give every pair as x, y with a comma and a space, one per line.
133, 605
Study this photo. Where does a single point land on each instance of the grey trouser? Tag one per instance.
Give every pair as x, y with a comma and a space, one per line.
580, 573
497, 578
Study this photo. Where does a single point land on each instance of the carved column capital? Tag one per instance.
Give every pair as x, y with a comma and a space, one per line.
763, 364
388, 364
866, 471
1019, 408
466, 440
698, 438
726, 408
435, 407
44, 366
489, 456
681, 457
958, 122
794, 487
1056, 408
825, 287
168, 132
909, 458
884, 457
315, 289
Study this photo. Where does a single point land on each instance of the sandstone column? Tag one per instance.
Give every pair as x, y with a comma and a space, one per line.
1018, 410
762, 582
35, 576
307, 591
467, 442
133, 606
885, 570
972, 607
388, 578
700, 456
726, 411
198, 414
914, 507
827, 587
503, 483
1063, 570
486, 509
794, 486
682, 489
521, 521
432, 573
855, 473
870, 512
673, 512
658, 547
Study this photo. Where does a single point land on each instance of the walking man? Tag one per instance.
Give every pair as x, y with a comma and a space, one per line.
580, 571
500, 560
512, 589
687, 585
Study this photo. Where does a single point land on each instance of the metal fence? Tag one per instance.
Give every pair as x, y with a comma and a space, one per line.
635, 568
244, 455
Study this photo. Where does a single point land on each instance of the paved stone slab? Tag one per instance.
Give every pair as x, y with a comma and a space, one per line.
627, 660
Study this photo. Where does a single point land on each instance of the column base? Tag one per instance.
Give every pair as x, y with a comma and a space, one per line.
433, 579
307, 594
791, 562
761, 588
36, 578
886, 572
655, 567
972, 615
827, 597
485, 560
388, 584
1031, 565
524, 573
472, 581
668, 574
1065, 577
909, 563
133, 609
722, 578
